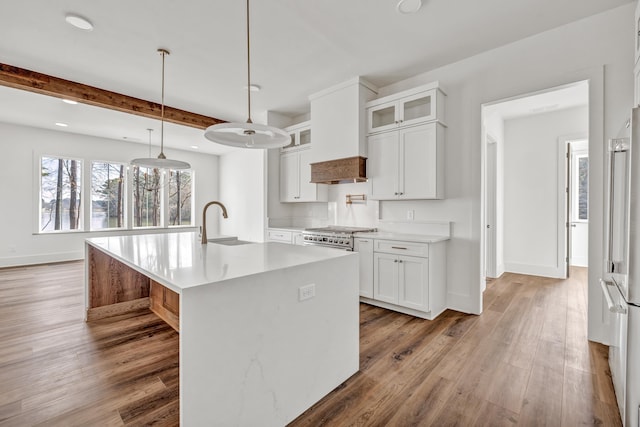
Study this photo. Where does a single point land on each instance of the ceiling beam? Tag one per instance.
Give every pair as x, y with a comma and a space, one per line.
32, 81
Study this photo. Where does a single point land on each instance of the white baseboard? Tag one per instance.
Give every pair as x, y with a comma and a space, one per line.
535, 270
40, 259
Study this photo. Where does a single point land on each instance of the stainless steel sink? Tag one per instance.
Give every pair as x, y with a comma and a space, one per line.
234, 242
228, 241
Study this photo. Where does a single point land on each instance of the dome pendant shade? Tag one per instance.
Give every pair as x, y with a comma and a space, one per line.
160, 162
247, 135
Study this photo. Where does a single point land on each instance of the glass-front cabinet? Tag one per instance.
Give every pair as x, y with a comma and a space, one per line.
300, 135
406, 109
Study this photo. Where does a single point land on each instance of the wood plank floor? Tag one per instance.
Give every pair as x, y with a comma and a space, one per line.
525, 361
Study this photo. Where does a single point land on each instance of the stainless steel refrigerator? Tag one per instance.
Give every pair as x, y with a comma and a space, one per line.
621, 282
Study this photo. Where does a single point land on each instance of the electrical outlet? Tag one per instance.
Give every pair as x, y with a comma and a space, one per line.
306, 292
410, 214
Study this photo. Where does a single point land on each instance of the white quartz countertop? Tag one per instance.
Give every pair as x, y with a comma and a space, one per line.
180, 261
407, 237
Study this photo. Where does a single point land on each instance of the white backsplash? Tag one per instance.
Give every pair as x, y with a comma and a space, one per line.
389, 216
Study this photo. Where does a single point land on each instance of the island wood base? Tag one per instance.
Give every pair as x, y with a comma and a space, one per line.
165, 304
115, 288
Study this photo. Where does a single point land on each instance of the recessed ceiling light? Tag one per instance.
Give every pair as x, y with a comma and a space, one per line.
69, 101
254, 88
78, 22
195, 147
62, 125
408, 6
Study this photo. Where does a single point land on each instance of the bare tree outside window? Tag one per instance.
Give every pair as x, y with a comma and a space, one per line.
180, 188
147, 186
107, 195
60, 194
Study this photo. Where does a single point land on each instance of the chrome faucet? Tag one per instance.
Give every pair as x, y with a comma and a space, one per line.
204, 218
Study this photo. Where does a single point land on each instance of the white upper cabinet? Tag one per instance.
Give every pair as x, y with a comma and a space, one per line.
406, 145
295, 169
407, 108
407, 164
300, 135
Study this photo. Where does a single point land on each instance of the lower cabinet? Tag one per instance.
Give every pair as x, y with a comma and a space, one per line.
401, 280
294, 237
408, 277
364, 247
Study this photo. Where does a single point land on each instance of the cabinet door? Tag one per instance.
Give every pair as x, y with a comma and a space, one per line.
382, 166
308, 191
418, 108
385, 277
364, 247
413, 282
382, 117
636, 83
289, 177
636, 36
418, 162
298, 239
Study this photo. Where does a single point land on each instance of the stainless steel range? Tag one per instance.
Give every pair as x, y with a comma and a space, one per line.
333, 236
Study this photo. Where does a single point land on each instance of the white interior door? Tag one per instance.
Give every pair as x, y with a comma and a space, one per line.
579, 201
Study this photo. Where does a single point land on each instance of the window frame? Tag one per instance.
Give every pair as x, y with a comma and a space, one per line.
125, 208
37, 170
85, 192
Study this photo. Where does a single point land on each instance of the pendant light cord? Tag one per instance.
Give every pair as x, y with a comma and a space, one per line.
163, 52
248, 70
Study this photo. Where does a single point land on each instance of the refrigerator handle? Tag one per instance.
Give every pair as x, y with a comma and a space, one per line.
614, 308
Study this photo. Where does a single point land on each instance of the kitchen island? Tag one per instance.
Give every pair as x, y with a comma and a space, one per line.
266, 329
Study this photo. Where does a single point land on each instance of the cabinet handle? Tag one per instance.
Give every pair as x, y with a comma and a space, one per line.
401, 194
364, 241
396, 193
398, 247
400, 261
395, 260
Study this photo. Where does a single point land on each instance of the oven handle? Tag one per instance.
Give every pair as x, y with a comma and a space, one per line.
614, 308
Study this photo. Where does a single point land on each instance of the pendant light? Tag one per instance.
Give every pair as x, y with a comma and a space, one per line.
249, 134
161, 162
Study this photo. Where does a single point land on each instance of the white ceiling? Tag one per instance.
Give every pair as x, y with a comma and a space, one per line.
299, 47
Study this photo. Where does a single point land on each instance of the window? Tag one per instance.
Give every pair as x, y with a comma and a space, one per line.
60, 194
120, 196
180, 187
583, 187
147, 186
108, 188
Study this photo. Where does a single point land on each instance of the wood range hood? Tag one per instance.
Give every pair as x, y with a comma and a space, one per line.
340, 171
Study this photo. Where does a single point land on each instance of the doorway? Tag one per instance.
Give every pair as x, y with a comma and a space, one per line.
531, 224
578, 202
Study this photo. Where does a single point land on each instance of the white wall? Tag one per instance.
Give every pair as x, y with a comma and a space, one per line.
21, 146
531, 199
243, 189
598, 49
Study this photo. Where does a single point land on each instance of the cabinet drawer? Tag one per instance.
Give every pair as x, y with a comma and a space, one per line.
402, 248
279, 236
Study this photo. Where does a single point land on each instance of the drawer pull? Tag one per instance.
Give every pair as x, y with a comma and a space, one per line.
398, 247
